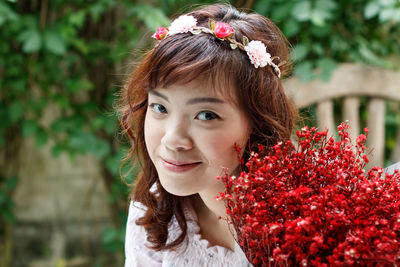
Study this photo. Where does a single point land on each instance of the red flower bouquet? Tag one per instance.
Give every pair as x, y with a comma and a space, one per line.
313, 204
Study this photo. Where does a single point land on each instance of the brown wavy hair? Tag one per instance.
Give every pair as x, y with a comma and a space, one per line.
186, 57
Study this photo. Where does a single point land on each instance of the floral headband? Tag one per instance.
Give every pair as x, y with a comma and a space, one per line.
256, 50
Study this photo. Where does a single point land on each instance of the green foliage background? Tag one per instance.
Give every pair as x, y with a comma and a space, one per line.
74, 55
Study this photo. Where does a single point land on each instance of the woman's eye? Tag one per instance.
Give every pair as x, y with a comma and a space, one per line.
158, 108
207, 116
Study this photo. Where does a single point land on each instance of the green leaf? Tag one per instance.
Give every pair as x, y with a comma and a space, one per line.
36, 105
291, 27
113, 162
318, 17
367, 54
16, 110
97, 122
302, 11
77, 18
110, 123
387, 3
54, 42
281, 11
62, 101
29, 128
76, 85
371, 10
7, 215
299, 52
3, 198
396, 15
85, 142
81, 141
31, 40
57, 149
323, 11
101, 148
96, 10
211, 24
60, 125
262, 6
12, 183
326, 66
198, 31
6, 13
304, 71
41, 137
324, 30
326, 5
152, 17
386, 14
318, 49
80, 45
110, 236
245, 40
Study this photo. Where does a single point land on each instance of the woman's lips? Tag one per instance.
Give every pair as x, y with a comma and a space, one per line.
175, 166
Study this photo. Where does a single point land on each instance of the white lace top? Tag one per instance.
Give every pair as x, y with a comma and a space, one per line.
198, 251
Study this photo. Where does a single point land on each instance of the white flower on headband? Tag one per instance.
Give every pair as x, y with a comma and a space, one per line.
182, 24
258, 54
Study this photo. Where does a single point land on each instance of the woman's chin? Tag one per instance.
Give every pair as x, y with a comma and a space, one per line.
177, 190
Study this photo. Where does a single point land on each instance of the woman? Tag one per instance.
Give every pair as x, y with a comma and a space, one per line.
210, 87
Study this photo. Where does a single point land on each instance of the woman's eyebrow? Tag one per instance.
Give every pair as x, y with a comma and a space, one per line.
191, 101
198, 100
152, 92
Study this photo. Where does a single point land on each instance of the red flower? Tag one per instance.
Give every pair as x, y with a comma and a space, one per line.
314, 205
223, 30
160, 33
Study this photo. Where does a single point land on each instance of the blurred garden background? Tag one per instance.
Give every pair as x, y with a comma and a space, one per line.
62, 64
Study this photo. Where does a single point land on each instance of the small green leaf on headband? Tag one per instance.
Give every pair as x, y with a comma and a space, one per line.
195, 31
211, 23
245, 41
233, 46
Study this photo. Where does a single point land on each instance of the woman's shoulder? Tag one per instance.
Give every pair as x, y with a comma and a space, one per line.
137, 252
136, 209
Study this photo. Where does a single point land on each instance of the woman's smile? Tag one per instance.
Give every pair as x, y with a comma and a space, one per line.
176, 166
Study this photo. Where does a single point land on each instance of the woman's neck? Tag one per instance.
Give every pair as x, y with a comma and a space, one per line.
215, 231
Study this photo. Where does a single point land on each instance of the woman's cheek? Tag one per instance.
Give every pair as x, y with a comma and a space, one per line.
220, 150
152, 136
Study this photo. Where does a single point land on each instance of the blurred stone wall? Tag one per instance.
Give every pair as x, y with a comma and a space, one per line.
61, 206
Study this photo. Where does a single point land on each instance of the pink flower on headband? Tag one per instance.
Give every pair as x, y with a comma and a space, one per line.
258, 54
160, 33
182, 24
223, 30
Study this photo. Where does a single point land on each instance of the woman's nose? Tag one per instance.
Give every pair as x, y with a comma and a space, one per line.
177, 137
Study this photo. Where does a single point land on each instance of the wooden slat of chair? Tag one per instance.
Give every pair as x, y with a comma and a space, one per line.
351, 113
325, 118
376, 136
395, 157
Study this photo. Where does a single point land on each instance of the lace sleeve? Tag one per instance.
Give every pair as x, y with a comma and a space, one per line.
136, 252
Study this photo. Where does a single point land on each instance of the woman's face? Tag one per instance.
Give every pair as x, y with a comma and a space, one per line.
190, 133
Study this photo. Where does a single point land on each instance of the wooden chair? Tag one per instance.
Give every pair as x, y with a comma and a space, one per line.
351, 82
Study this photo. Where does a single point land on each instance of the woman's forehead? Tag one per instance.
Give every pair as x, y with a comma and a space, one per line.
204, 86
